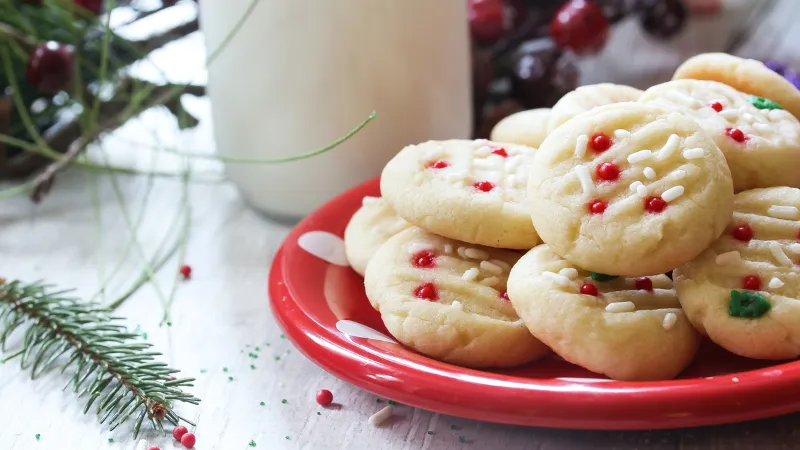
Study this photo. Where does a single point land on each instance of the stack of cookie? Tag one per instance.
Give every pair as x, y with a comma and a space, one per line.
563, 231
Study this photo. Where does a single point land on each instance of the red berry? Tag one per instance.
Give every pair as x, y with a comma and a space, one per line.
484, 186
644, 283
500, 151
178, 432
487, 20
324, 397
427, 291
743, 232
716, 106
93, 6
589, 289
424, 259
608, 171
50, 67
438, 164
597, 206
751, 283
504, 296
581, 26
186, 271
188, 440
654, 204
735, 134
600, 142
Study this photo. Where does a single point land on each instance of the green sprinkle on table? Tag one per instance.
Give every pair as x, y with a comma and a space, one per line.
377, 400
258, 349
430, 433
392, 402
453, 427
253, 366
252, 355
203, 370
277, 358
262, 403
288, 438
169, 324
230, 378
224, 369
284, 401
461, 439
144, 336
252, 443
319, 413
38, 436
283, 336
110, 440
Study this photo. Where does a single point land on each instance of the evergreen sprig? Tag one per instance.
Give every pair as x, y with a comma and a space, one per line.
111, 366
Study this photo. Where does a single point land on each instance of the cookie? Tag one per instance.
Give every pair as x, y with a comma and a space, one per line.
372, 225
762, 146
471, 191
629, 189
446, 299
627, 329
745, 75
589, 97
525, 127
744, 291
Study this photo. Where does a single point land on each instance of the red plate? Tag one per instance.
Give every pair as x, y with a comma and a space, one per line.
309, 296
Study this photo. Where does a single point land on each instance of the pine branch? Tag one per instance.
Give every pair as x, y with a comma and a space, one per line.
117, 374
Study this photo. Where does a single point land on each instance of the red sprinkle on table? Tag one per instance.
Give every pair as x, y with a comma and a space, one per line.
438, 164
188, 440
751, 283
597, 206
608, 171
324, 397
743, 232
178, 432
600, 142
424, 259
589, 289
504, 296
500, 151
655, 204
186, 271
483, 186
644, 283
716, 106
427, 291
735, 134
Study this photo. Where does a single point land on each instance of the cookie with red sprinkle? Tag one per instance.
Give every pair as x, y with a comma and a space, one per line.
588, 97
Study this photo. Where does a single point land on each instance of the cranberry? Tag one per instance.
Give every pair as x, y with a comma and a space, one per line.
487, 20
438, 164
589, 289
483, 186
743, 232
188, 440
501, 152
178, 432
716, 106
597, 206
50, 67
93, 6
324, 397
735, 134
427, 291
654, 204
600, 142
424, 259
644, 283
608, 171
751, 282
581, 26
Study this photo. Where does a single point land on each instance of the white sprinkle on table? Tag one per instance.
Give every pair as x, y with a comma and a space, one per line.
777, 253
457, 304
569, 272
621, 134
483, 150
586, 180
694, 153
783, 212
366, 201
491, 281
618, 307
475, 253
794, 248
729, 258
499, 262
491, 267
470, 274
448, 248
580, 145
669, 321
557, 278
641, 191
380, 416
775, 283
672, 193
641, 155
649, 173
669, 148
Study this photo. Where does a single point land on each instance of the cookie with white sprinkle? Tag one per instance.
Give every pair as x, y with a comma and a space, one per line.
589, 97
629, 189
525, 128
761, 143
745, 75
624, 328
472, 191
447, 299
744, 291
372, 225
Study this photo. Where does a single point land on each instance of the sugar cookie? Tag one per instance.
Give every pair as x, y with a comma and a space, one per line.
627, 329
744, 291
762, 146
525, 128
471, 191
745, 75
629, 189
372, 225
589, 97
446, 299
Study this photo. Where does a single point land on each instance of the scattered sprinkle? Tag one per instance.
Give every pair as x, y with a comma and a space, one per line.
252, 355
288, 438
38, 436
669, 321
377, 400
457, 304
144, 336
620, 134
380, 416
557, 278
319, 413
569, 272
585, 179
430, 433
230, 378
461, 439
284, 401
252, 366
783, 212
641, 191
580, 145
635, 185
258, 349
669, 148
392, 402
729, 258
619, 307
283, 336
277, 358
649, 173
775, 283
110, 440
641, 155
777, 253
169, 324
203, 370
694, 153
491, 267
475, 253
470, 274
672, 193
262, 403
253, 443
224, 369
453, 427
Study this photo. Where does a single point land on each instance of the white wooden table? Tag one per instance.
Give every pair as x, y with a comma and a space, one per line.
222, 314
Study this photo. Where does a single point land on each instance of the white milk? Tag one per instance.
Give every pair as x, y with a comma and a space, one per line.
302, 73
